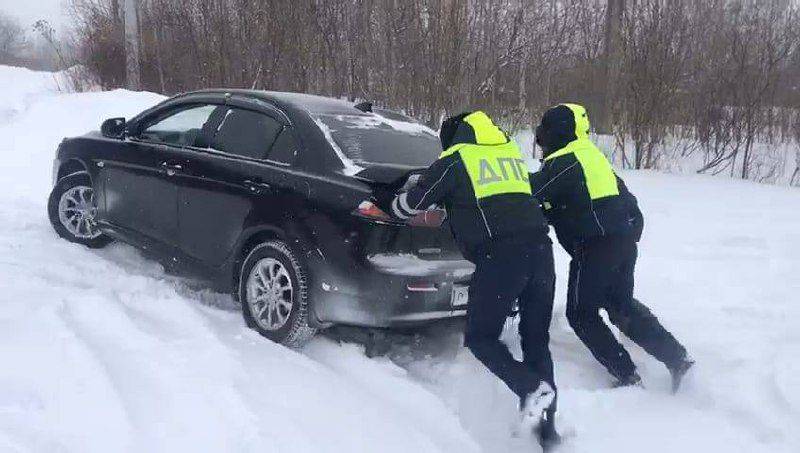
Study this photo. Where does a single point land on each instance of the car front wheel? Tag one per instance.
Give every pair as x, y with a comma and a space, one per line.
274, 294
72, 210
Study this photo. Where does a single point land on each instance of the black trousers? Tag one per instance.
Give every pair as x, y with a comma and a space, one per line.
507, 271
601, 276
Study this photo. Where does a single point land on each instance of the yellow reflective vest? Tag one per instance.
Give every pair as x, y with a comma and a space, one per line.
495, 165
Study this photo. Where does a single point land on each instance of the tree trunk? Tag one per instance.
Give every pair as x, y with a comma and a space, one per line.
132, 74
613, 57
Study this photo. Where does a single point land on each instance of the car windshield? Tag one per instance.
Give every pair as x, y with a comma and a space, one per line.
385, 138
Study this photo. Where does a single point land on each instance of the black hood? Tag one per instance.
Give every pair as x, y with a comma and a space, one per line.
561, 125
471, 127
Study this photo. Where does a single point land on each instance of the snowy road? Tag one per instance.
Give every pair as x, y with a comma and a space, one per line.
102, 351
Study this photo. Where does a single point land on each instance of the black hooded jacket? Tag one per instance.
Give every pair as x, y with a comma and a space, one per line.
475, 217
582, 196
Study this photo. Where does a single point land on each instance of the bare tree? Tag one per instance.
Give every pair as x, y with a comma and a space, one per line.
612, 64
655, 47
683, 77
12, 39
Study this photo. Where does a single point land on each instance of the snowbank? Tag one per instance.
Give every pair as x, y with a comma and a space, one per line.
102, 351
718, 266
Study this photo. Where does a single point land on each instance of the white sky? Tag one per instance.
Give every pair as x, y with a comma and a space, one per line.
29, 11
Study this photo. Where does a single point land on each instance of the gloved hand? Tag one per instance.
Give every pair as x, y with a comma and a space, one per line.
383, 199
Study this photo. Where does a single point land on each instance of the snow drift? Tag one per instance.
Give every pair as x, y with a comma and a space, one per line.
102, 351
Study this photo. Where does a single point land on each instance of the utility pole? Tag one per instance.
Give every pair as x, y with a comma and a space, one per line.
132, 74
613, 56
548, 82
548, 76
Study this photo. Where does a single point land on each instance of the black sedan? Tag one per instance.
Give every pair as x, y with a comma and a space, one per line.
273, 198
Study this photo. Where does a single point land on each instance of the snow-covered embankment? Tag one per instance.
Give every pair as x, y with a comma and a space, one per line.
101, 351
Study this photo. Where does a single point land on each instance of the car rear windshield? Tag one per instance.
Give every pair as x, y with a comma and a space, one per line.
385, 138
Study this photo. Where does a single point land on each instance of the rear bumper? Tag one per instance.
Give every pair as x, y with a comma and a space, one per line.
391, 291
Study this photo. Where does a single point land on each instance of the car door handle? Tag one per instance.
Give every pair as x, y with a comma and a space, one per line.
256, 186
171, 169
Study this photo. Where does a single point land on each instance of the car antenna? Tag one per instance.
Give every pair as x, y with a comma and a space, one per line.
365, 106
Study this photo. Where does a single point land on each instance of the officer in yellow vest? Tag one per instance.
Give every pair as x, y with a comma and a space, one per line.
598, 222
482, 182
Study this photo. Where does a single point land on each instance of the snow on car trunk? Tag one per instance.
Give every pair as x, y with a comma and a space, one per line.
102, 351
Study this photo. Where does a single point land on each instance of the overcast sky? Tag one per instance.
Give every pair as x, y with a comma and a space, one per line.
29, 11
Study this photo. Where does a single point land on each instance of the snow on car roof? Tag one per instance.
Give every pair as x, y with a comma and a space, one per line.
314, 104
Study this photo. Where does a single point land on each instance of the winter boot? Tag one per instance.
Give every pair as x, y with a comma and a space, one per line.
546, 432
631, 380
678, 372
533, 407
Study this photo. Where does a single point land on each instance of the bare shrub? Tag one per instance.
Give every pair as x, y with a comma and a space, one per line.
715, 77
12, 39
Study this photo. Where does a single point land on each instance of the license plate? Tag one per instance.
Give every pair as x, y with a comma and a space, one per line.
460, 296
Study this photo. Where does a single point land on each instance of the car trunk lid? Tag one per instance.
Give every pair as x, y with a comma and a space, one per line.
426, 242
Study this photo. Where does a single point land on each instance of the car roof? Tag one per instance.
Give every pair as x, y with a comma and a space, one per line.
309, 102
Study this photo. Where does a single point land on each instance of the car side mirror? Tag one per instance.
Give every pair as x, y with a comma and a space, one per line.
113, 128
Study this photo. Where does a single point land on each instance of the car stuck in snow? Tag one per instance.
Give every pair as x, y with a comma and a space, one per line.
272, 197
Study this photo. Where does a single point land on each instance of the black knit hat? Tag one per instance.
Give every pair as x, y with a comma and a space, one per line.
449, 128
556, 130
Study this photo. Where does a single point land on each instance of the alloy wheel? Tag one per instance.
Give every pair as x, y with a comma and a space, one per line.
77, 211
270, 293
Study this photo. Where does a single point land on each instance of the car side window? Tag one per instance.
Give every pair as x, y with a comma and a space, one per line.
183, 128
285, 149
246, 133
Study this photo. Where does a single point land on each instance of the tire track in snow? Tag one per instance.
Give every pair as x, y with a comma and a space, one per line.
138, 358
192, 311
121, 403
48, 334
161, 292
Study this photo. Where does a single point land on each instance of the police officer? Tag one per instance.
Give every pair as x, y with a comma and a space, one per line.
597, 220
482, 181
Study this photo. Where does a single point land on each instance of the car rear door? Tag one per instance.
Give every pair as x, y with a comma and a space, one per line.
240, 179
139, 185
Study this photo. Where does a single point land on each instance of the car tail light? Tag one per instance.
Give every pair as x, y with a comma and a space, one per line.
370, 210
432, 218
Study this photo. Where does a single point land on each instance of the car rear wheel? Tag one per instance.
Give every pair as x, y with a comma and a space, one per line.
72, 210
274, 294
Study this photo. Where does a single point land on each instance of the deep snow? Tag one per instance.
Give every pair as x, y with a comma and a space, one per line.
102, 351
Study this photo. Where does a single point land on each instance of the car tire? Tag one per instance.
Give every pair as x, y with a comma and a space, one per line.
72, 198
270, 276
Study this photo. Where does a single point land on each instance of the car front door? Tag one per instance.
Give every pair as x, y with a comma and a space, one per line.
234, 179
139, 185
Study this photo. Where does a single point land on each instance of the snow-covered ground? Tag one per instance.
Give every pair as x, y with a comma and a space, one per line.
102, 351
